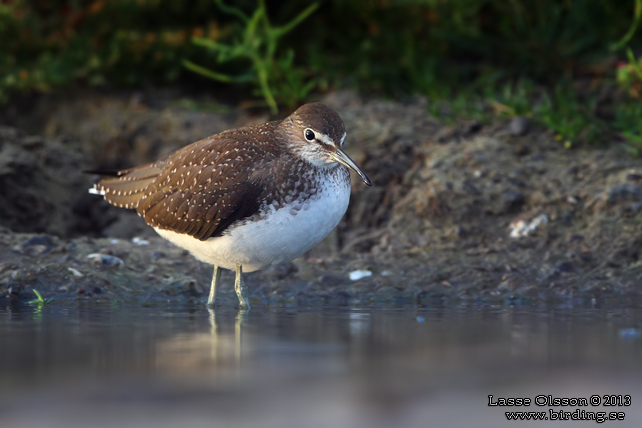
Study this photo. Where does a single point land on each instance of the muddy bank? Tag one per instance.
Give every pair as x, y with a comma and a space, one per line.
500, 211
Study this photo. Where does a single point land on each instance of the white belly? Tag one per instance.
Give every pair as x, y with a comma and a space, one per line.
280, 236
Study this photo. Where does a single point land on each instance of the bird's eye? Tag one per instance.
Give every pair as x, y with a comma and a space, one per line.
309, 135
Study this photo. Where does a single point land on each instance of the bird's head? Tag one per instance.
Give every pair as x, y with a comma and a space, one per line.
317, 134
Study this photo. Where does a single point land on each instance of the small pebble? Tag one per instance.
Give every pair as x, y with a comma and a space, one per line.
39, 240
358, 274
37, 245
105, 260
565, 267
634, 175
519, 126
75, 272
139, 241
624, 192
520, 228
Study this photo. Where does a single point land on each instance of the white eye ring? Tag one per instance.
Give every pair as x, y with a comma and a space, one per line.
309, 134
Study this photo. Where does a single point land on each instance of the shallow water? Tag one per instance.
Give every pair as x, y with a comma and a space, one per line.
88, 366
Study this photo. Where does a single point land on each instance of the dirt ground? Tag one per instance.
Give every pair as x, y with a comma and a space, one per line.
498, 212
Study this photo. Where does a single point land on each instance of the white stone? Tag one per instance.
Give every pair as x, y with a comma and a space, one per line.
356, 275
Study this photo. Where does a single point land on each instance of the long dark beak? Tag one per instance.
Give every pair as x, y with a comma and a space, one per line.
340, 156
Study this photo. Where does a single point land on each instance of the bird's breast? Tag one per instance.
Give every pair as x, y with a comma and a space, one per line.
284, 228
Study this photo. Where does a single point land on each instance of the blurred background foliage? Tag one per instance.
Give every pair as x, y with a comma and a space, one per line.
571, 65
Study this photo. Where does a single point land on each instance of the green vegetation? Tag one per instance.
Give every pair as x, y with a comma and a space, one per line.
39, 301
47, 45
570, 115
276, 77
570, 65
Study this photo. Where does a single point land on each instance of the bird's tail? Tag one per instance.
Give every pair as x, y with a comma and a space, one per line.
126, 188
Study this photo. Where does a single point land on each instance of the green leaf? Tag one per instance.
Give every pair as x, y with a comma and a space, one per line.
207, 72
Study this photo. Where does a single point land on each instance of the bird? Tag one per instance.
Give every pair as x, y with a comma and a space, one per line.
246, 198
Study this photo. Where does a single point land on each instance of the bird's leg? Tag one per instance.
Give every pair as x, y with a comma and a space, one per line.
211, 301
241, 288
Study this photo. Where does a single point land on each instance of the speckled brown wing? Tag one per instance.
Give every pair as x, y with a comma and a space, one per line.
199, 190
125, 188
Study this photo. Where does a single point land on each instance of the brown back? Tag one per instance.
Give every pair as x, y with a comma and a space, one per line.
202, 188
